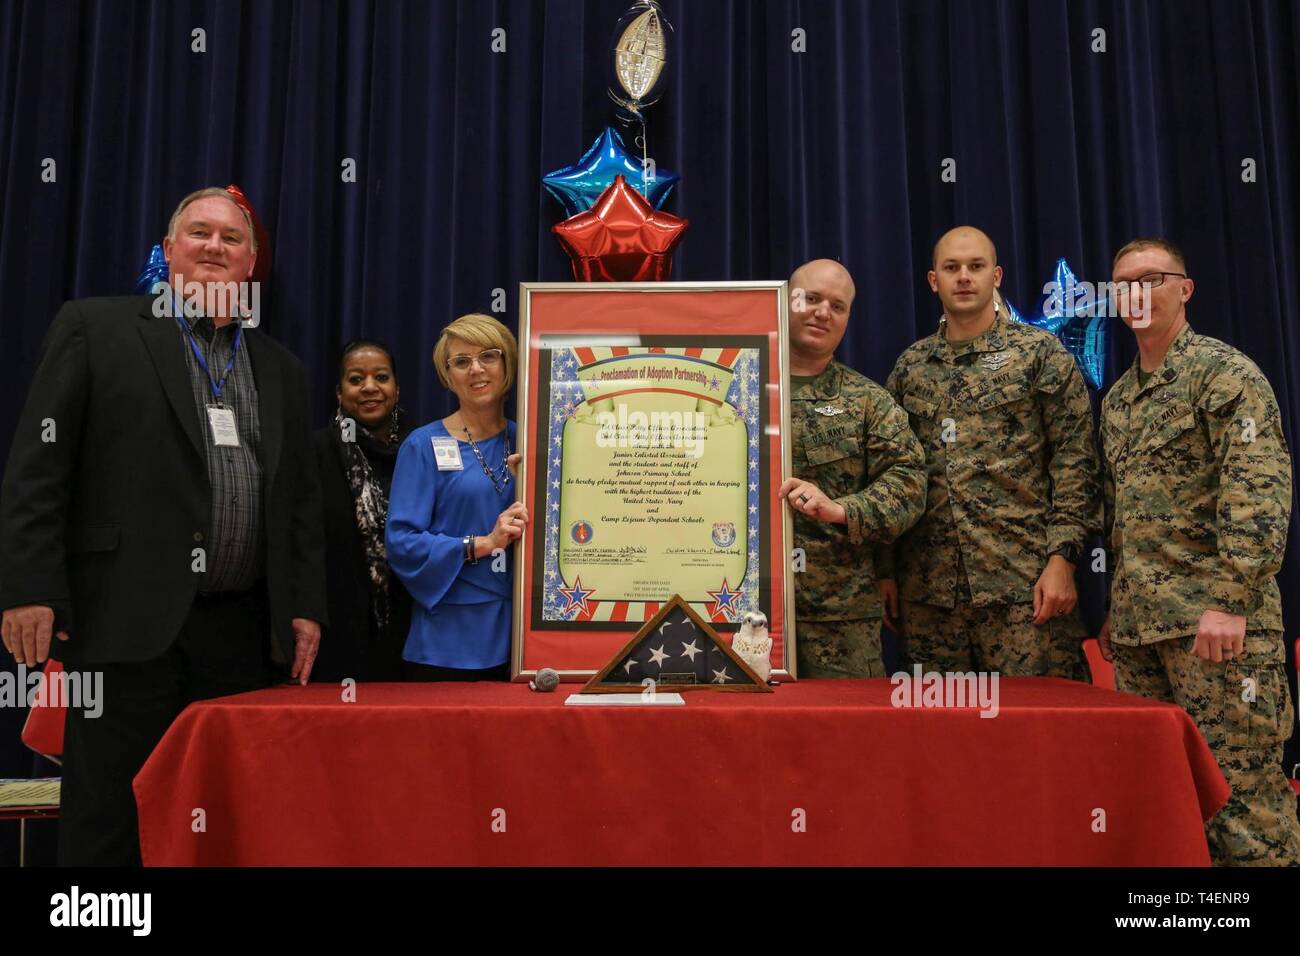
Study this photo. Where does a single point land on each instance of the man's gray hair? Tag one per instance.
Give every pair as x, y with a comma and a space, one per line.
205, 193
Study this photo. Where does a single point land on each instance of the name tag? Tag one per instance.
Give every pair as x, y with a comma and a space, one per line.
446, 453
221, 418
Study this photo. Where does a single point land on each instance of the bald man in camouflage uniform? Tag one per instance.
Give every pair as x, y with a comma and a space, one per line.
1198, 498
986, 577
859, 480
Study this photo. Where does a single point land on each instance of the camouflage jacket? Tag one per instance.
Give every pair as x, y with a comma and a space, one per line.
1013, 472
1198, 493
853, 442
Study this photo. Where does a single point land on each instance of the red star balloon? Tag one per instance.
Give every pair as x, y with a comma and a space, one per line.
262, 268
622, 238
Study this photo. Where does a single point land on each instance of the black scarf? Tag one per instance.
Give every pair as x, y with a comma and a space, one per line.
371, 506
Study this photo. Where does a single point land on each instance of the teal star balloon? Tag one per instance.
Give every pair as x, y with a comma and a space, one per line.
577, 187
1082, 324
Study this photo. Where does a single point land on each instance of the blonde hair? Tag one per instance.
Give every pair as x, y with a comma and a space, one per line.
206, 193
1151, 242
483, 331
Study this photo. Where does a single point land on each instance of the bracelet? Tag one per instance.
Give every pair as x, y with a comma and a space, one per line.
470, 556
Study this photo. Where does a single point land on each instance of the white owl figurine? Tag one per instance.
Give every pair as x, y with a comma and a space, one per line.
752, 645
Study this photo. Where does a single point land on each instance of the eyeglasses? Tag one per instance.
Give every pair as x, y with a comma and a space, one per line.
1151, 280
488, 358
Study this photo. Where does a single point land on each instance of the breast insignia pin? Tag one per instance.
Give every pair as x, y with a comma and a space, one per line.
994, 361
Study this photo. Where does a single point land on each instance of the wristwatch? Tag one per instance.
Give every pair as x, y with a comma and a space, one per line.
1071, 553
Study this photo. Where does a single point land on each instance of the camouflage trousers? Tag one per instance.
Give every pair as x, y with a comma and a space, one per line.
1258, 826
999, 637
839, 648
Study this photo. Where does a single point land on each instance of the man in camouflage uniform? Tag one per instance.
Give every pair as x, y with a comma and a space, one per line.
860, 480
1198, 496
987, 575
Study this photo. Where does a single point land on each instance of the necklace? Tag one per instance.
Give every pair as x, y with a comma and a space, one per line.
504, 482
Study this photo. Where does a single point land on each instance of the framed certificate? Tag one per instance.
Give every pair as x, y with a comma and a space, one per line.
653, 424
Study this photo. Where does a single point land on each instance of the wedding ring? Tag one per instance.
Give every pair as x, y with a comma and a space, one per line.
803, 498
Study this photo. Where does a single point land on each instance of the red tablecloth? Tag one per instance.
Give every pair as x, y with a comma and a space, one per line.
418, 774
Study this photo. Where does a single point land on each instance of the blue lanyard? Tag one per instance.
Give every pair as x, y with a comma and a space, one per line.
217, 385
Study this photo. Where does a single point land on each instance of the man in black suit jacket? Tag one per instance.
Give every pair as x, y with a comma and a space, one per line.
160, 513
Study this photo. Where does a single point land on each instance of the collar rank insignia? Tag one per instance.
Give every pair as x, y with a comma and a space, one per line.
828, 410
994, 361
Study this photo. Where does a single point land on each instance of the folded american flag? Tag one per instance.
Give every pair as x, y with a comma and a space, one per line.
678, 650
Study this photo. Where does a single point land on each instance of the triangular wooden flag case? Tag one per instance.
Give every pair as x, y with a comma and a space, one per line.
679, 651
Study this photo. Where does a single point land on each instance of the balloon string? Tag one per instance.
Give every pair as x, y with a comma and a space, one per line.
645, 156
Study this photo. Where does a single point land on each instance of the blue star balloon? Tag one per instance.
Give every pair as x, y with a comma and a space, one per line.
578, 186
1071, 313
154, 271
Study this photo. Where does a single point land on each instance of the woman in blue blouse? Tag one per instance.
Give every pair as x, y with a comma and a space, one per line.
452, 505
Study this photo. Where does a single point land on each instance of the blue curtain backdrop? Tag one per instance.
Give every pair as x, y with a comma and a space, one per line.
785, 155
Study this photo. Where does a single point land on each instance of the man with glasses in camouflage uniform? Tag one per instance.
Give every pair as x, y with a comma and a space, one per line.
1198, 497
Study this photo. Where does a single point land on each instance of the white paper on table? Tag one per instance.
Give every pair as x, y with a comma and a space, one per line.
37, 792
657, 699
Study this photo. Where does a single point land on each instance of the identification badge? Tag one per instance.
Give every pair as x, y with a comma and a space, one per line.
446, 453
222, 420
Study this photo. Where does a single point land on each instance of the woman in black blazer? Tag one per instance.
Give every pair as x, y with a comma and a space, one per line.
369, 610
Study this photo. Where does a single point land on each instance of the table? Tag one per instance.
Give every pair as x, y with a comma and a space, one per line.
25, 809
819, 773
